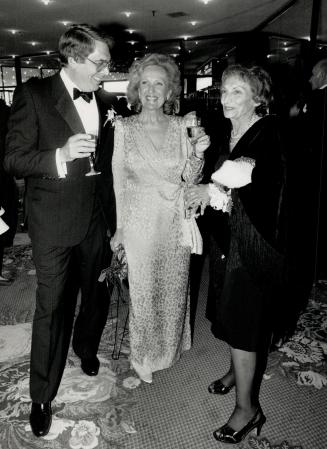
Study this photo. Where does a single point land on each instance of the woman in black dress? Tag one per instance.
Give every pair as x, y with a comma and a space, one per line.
250, 186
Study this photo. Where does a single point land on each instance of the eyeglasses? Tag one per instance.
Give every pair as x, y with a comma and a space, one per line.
101, 65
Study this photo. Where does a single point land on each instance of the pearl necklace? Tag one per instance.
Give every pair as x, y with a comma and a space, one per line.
238, 135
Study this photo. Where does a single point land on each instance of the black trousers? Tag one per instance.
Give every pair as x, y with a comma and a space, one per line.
61, 272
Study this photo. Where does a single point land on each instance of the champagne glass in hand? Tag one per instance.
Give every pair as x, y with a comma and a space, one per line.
92, 171
194, 130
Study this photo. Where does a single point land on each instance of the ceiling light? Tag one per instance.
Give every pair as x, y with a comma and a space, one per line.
13, 56
127, 13
33, 43
130, 31
48, 52
132, 42
64, 22
196, 42
46, 2
205, 1
13, 31
185, 37
193, 23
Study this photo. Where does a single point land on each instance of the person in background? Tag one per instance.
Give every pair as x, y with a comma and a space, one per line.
152, 161
249, 185
49, 143
123, 107
316, 129
8, 196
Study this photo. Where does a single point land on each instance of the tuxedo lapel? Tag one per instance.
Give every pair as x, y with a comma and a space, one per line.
65, 106
101, 112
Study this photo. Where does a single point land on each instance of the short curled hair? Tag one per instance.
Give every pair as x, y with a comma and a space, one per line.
259, 81
173, 76
78, 42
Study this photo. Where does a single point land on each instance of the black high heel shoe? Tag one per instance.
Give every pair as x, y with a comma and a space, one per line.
217, 387
228, 435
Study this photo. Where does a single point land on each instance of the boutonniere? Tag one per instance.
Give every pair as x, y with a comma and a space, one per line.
110, 117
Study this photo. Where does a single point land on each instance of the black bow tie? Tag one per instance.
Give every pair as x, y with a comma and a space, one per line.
87, 96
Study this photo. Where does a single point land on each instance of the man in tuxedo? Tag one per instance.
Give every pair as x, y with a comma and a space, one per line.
49, 144
317, 117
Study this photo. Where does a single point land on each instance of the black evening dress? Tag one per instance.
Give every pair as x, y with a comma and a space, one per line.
254, 286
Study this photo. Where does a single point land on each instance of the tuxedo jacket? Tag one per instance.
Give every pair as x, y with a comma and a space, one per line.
317, 130
42, 118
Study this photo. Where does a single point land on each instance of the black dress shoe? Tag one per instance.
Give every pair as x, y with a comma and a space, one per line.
90, 366
217, 387
226, 434
40, 418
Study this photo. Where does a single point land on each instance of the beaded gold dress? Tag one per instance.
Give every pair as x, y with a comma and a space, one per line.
149, 184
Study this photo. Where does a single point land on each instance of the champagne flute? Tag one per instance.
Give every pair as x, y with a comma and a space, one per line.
194, 129
92, 172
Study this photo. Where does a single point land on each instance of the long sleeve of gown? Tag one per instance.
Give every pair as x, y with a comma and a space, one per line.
119, 172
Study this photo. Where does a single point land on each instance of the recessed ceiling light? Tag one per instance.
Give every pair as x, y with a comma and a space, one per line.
130, 31
45, 2
193, 23
13, 31
185, 37
33, 43
205, 1
64, 22
127, 13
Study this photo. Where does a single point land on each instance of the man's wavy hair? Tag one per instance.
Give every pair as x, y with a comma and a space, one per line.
78, 42
259, 81
173, 76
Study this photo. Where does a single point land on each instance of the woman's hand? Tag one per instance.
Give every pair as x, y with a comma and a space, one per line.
117, 240
202, 143
196, 195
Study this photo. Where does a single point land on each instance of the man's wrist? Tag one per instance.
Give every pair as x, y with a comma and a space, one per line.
61, 164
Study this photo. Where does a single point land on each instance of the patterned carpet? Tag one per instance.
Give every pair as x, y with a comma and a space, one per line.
304, 356
88, 412
114, 410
